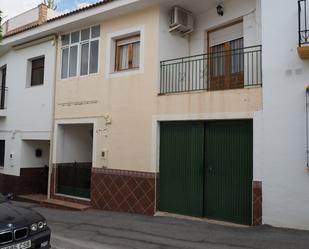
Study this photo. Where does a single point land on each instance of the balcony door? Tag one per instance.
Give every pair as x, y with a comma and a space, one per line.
226, 57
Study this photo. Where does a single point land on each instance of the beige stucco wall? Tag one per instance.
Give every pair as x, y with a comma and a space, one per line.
132, 101
227, 101
129, 100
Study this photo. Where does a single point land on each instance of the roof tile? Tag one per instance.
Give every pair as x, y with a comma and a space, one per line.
91, 6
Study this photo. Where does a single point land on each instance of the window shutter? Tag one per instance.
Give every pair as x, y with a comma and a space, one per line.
226, 34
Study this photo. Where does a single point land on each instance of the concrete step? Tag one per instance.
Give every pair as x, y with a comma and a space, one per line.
58, 204
32, 198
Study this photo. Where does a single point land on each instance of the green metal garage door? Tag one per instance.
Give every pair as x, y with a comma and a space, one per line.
228, 175
181, 168
206, 169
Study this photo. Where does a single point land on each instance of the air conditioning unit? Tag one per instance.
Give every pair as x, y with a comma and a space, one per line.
181, 21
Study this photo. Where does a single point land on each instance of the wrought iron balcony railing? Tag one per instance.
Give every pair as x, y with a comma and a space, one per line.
222, 70
303, 32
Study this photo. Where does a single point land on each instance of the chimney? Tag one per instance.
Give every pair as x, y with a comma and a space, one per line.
32, 17
42, 13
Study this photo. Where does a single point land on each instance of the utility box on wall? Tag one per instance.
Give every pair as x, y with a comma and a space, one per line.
104, 157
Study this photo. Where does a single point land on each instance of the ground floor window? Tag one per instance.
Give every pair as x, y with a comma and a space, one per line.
2, 152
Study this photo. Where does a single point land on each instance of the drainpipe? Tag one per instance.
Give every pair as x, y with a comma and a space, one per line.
50, 168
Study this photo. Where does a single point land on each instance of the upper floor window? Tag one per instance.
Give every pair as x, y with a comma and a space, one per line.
127, 53
37, 71
80, 52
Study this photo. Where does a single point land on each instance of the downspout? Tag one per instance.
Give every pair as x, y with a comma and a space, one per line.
50, 168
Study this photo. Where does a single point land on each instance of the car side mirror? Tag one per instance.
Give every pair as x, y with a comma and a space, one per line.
9, 196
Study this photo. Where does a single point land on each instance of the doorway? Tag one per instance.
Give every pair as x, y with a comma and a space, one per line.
206, 169
74, 159
225, 47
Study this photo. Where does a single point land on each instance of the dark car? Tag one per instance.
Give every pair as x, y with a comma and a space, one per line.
21, 228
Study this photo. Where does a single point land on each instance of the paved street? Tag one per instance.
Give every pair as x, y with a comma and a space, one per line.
94, 229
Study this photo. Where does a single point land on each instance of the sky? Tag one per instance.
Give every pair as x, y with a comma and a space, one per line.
11, 8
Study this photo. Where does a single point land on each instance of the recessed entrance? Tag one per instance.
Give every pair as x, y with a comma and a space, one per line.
206, 169
74, 159
34, 166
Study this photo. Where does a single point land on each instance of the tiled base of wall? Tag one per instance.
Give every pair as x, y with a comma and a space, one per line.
157, 198
30, 181
116, 190
135, 192
257, 204
124, 191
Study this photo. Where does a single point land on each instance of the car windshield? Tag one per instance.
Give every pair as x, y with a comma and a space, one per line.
2, 198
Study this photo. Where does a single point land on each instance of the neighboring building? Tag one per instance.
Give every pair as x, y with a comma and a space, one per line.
283, 162
181, 109
27, 67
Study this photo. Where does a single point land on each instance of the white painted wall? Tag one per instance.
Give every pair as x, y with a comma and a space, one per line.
23, 19
29, 109
28, 157
172, 46
234, 9
4, 27
74, 143
283, 167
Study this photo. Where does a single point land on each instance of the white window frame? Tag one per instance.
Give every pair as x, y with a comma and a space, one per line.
111, 51
79, 47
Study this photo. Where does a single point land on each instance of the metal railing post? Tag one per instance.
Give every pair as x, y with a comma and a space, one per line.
303, 32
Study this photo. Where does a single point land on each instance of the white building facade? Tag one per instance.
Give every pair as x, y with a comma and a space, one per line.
27, 78
283, 162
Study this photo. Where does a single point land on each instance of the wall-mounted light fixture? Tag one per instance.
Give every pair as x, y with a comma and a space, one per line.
220, 9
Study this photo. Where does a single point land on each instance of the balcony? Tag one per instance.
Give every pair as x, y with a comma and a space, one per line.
3, 100
303, 32
219, 70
